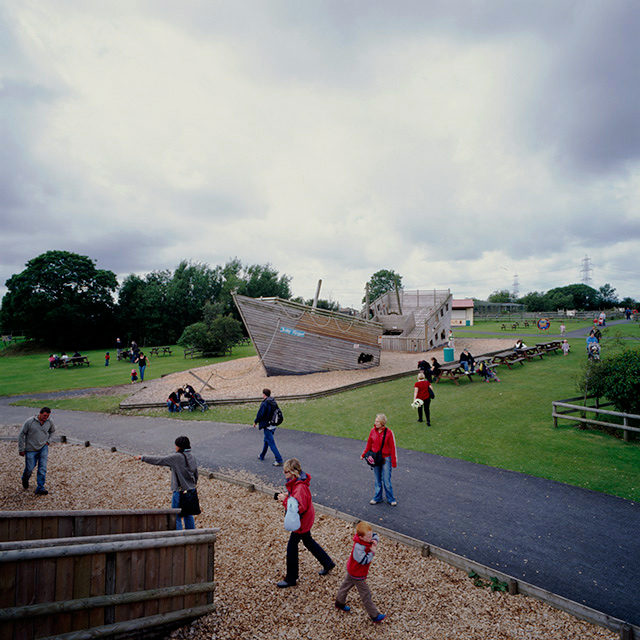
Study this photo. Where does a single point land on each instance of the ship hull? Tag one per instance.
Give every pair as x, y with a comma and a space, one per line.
293, 339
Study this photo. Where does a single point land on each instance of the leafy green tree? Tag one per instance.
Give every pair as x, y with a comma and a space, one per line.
62, 300
581, 296
215, 337
629, 303
535, 301
381, 282
616, 378
608, 297
142, 308
500, 297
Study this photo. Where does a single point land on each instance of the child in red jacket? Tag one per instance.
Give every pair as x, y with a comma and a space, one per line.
365, 543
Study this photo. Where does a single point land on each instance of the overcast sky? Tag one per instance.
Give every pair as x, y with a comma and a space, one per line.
457, 142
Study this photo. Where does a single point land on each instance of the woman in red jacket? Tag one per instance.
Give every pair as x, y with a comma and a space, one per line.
297, 502
381, 437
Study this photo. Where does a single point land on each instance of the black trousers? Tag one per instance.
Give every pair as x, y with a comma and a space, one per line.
292, 554
427, 413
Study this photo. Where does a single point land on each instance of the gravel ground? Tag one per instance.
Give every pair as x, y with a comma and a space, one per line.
424, 598
245, 378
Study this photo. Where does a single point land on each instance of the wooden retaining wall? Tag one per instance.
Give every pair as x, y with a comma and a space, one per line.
97, 586
35, 525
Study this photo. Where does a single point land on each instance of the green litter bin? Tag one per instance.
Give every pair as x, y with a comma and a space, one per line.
448, 354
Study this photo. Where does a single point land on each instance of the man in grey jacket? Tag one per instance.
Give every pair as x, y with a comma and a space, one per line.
33, 443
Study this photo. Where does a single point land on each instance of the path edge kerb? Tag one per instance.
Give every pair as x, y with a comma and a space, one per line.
624, 629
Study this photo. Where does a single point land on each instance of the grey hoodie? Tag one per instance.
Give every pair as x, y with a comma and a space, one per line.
184, 469
33, 435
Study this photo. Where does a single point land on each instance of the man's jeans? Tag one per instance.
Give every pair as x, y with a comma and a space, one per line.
33, 458
189, 522
270, 443
382, 477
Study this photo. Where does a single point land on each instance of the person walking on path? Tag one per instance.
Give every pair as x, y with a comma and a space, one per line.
184, 475
263, 421
382, 439
33, 443
142, 364
421, 391
365, 544
301, 514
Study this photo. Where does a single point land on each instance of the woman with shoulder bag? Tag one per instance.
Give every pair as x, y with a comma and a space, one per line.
184, 477
381, 439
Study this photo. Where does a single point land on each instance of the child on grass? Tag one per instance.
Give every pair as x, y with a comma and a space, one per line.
365, 543
107, 357
565, 348
134, 376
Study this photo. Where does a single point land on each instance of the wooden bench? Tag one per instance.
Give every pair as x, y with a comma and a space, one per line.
199, 353
550, 347
77, 361
453, 371
507, 357
158, 351
531, 352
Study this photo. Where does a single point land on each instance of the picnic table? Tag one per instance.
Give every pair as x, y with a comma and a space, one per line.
157, 351
75, 361
550, 347
508, 357
531, 352
453, 371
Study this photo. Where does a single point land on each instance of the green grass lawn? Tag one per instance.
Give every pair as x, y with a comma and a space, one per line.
629, 329
31, 374
506, 425
480, 327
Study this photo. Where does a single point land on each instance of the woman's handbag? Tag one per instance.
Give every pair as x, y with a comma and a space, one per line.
189, 503
432, 393
375, 458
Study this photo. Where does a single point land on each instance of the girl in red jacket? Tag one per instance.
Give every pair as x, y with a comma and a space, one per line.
365, 543
299, 518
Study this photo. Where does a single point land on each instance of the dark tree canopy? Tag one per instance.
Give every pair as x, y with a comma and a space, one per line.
61, 299
500, 297
383, 281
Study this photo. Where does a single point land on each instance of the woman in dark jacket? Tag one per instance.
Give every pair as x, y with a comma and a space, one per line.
184, 474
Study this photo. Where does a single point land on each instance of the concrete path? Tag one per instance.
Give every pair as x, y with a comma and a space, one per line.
579, 544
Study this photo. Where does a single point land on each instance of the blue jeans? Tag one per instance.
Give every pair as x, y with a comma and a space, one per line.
33, 458
189, 522
142, 372
173, 408
270, 443
382, 478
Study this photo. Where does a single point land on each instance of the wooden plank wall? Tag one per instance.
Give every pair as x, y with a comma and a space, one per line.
48, 575
37, 525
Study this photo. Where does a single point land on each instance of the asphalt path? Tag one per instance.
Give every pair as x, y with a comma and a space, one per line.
576, 543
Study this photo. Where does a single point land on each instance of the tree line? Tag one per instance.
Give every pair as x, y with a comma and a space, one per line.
573, 296
63, 300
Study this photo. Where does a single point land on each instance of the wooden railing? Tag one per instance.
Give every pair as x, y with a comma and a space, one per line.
583, 409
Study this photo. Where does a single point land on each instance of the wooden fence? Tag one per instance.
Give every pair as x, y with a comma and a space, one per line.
35, 525
566, 410
96, 586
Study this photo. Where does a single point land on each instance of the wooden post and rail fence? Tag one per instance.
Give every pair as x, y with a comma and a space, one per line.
566, 410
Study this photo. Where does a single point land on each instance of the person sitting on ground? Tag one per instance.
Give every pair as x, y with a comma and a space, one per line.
467, 361
519, 345
425, 367
487, 372
173, 401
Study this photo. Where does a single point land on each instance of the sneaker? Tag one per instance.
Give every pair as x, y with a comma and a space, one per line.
41, 492
283, 584
25, 482
373, 502
326, 570
343, 607
393, 504
277, 464
379, 618
260, 458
